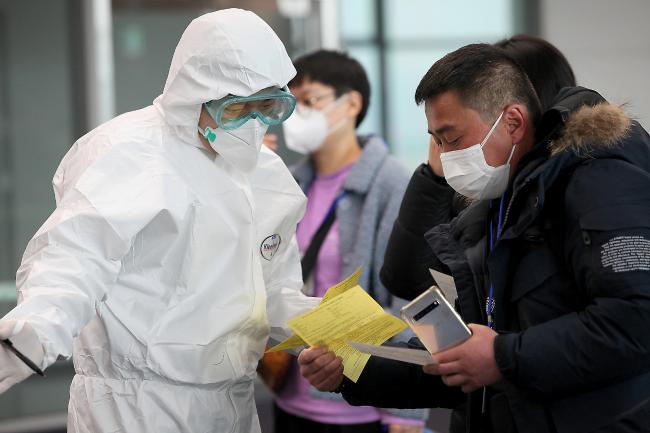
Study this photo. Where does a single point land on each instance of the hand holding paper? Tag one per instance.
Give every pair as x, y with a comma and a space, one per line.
350, 316
295, 341
346, 313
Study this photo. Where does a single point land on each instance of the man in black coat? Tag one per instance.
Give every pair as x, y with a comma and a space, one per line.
551, 261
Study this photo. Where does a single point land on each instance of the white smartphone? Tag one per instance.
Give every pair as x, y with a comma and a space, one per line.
435, 321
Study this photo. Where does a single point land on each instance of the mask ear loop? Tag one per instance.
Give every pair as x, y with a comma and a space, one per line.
512, 152
335, 102
332, 106
494, 126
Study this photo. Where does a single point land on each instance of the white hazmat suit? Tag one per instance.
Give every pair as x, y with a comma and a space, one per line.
163, 269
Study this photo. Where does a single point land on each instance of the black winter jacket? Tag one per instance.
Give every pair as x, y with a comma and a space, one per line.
571, 276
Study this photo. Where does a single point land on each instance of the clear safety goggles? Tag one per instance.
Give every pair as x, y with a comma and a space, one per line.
271, 106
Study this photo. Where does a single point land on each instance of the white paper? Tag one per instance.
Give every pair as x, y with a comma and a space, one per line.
446, 285
404, 354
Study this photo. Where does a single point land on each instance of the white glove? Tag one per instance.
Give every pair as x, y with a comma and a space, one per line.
24, 338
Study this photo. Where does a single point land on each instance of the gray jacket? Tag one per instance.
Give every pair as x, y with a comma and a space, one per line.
375, 186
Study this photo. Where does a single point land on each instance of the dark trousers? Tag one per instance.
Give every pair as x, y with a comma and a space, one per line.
288, 423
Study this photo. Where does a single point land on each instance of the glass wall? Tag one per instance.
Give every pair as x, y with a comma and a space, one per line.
37, 117
38, 121
397, 42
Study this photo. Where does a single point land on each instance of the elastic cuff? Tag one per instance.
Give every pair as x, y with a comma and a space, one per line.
345, 383
504, 354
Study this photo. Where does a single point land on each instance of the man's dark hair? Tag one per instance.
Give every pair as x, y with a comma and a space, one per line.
485, 78
335, 69
546, 67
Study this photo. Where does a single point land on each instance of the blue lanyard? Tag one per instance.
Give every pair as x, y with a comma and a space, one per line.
489, 304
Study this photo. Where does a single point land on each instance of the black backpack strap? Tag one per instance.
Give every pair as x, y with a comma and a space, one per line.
308, 260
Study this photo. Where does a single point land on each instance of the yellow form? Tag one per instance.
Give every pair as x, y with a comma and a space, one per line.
343, 286
351, 316
294, 340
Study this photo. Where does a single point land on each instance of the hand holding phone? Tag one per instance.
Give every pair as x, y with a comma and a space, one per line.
435, 321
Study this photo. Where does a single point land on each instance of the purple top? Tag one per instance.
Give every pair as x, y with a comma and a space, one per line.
294, 397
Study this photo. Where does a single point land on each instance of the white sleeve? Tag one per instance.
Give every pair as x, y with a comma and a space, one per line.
285, 299
66, 269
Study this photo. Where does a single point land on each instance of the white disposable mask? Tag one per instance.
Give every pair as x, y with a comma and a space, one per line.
306, 129
469, 174
239, 147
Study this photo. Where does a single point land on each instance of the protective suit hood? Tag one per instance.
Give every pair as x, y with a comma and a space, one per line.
230, 51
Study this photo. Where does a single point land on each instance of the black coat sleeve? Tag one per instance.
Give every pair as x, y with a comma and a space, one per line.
394, 384
607, 248
428, 201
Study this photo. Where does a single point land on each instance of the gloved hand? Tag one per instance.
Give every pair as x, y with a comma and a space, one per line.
24, 338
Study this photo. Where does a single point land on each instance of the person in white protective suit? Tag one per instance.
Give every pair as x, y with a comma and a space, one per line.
171, 254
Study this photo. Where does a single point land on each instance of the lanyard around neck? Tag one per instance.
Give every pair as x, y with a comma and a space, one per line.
489, 304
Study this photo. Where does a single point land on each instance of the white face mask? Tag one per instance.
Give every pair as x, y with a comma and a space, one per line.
239, 147
469, 174
306, 129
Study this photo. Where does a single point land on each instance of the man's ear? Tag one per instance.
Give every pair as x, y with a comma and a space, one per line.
355, 101
516, 122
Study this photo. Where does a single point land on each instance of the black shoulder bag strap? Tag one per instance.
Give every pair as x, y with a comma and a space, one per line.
308, 260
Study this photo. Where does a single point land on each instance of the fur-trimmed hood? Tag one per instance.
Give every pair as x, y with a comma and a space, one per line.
581, 126
592, 127
582, 123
